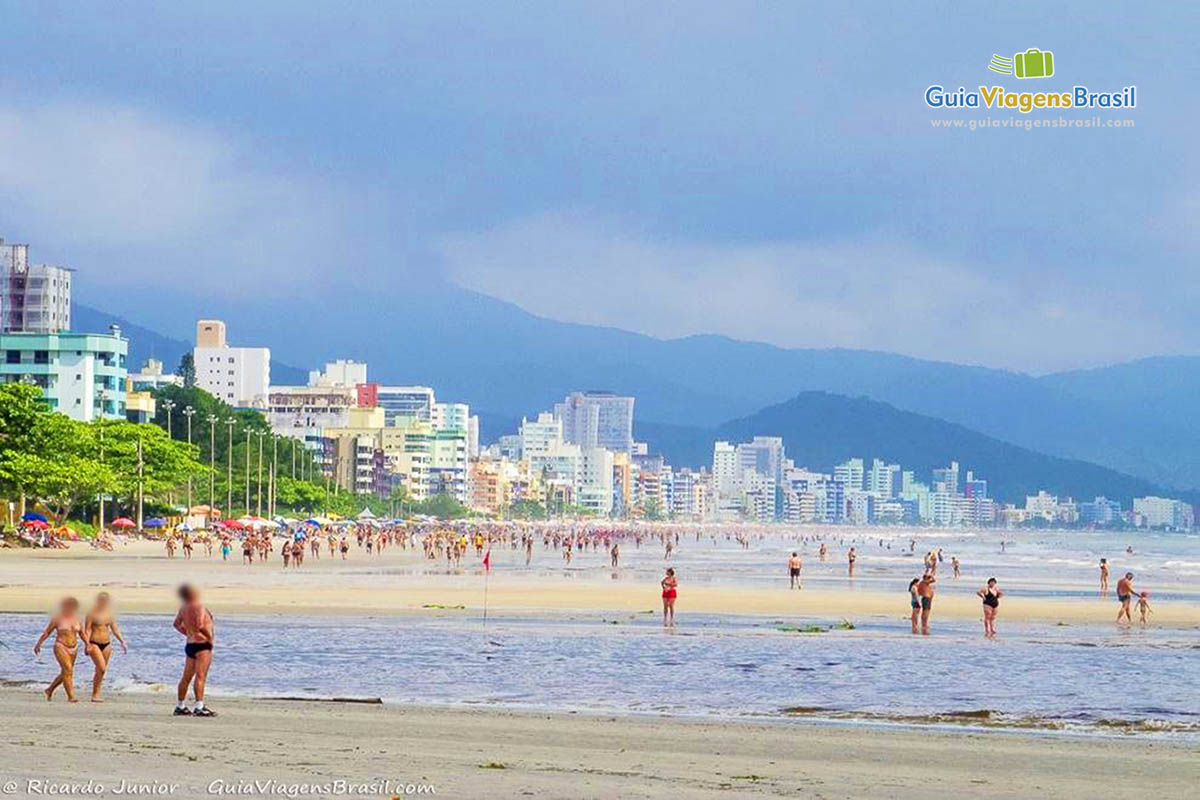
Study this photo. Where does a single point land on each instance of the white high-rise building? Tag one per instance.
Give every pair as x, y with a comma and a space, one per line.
342, 373
597, 419
241, 376
850, 473
540, 436
33, 298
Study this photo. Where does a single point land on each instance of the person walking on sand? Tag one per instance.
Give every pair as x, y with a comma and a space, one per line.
99, 629
794, 567
670, 590
925, 590
990, 594
616, 555
1125, 597
67, 630
195, 623
1103, 576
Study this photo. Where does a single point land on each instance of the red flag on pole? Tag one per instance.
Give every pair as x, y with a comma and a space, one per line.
487, 560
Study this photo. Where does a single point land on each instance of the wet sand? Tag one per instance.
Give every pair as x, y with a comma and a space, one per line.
142, 578
490, 753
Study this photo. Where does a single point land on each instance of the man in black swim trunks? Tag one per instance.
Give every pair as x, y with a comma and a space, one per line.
195, 622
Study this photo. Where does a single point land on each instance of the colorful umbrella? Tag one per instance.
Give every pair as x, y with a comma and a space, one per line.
155, 522
33, 516
123, 522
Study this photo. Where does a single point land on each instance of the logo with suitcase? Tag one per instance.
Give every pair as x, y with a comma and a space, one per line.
1033, 63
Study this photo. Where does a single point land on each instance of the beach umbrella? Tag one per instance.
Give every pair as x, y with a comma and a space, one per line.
39, 524
33, 516
365, 514
123, 522
155, 522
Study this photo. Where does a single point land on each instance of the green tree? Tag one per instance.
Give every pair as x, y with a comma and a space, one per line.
187, 370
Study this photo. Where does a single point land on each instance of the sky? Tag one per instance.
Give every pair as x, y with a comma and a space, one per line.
768, 171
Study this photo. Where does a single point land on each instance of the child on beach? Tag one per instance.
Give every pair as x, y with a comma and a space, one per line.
1143, 606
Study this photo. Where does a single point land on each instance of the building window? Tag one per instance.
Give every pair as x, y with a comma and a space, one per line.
12, 357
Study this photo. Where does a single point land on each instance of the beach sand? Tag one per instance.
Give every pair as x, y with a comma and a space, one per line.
489, 753
143, 580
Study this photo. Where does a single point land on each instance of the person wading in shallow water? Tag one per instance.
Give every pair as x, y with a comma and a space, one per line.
670, 590
195, 622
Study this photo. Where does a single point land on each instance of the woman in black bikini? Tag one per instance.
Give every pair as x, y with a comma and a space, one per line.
991, 595
99, 629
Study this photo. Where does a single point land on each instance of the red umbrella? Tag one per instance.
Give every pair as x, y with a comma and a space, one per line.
123, 522
233, 524
36, 523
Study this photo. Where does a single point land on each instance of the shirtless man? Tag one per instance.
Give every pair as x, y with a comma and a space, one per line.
1125, 597
67, 630
1103, 576
925, 592
851, 557
794, 567
195, 623
99, 629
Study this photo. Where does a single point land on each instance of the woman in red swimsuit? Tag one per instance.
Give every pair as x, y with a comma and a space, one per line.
669, 591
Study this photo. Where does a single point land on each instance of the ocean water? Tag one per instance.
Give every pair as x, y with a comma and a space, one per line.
1033, 564
1093, 679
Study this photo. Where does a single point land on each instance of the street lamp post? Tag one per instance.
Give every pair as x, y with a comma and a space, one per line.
100, 422
189, 412
248, 433
260, 435
229, 422
169, 405
212, 462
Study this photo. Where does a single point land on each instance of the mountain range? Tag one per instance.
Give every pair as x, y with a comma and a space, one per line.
1133, 418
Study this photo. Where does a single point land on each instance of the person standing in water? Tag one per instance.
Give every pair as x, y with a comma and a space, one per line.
1125, 597
1103, 576
794, 567
670, 590
925, 591
990, 595
914, 598
99, 629
67, 630
195, 623
851, 557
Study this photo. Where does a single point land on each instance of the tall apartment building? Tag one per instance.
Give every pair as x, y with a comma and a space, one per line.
241, 376
33, 298
597, 419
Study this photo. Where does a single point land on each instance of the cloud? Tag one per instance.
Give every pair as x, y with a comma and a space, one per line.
130, 198
874, 293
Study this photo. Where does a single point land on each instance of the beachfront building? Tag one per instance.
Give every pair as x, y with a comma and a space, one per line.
1162, 512
343, 373
595, 489
597, 419
81, 375
415, 402
152, 377
34, 298
1100, 512
241, 376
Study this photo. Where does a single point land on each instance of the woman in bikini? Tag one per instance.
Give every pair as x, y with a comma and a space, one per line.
67, 630
670, 590
991, 595
99, 629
